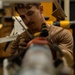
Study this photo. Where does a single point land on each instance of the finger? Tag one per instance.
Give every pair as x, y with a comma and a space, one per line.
13, 51
22, 40
25, 40
23, 43
22, 48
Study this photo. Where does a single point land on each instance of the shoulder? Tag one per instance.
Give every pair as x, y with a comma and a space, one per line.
59, 30
61, 36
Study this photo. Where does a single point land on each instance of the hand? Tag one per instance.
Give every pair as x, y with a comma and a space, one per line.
23, 44
14, 45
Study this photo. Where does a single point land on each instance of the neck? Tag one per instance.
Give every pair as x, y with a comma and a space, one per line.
33, 31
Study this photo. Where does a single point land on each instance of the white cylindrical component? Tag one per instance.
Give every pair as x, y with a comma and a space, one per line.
67, 9
5, 64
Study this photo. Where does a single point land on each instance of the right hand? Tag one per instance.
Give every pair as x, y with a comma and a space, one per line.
23, 44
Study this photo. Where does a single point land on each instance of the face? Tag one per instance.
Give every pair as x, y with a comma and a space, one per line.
32, 17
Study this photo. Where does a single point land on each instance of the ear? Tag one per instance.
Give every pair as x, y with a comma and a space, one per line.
41, 8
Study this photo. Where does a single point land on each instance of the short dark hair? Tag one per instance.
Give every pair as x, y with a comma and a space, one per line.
25, 5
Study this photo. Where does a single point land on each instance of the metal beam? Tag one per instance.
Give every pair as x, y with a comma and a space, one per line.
67, 9
12, 1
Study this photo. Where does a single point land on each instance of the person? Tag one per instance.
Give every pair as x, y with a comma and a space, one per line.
32, 16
